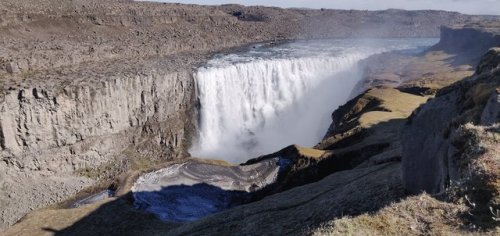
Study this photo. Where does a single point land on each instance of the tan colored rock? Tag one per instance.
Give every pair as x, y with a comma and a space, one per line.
56, 133
12, 68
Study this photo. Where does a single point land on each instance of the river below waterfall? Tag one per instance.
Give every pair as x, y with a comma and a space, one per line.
263, 99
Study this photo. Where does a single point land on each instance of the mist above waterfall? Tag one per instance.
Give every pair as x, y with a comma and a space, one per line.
262, 100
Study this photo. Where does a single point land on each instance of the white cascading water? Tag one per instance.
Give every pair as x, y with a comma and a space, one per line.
260, 105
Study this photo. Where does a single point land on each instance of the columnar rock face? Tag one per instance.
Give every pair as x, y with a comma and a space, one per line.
40, 119
431, 151
64, 122
51, 133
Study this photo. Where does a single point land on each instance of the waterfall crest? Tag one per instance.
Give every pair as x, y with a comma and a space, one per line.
253, 108
258, 104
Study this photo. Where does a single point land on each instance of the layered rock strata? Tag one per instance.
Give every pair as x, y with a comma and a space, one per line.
59, 139
91, 89
362, 164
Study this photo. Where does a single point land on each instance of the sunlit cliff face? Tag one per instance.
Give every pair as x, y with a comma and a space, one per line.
262, 100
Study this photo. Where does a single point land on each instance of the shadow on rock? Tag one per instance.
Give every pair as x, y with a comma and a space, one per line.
182, 203
170, 206
346, 193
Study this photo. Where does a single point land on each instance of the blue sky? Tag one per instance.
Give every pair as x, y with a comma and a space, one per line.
464, 6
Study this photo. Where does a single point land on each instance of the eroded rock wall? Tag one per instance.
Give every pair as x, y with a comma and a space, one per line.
38, 119
50, 135
472, 39
431, 146
61, 131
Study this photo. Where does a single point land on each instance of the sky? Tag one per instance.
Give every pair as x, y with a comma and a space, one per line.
485, 7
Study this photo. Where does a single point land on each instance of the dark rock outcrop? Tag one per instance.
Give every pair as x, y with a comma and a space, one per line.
471, 39
430, 155
491, 112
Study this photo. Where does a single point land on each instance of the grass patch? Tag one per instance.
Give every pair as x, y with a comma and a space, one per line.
311, 152
418, 215
479, 166
393, 105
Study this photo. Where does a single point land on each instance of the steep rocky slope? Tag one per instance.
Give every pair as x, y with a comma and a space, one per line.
471, 39
363, 149
452, 143
372, 132
56, 142
91, 89
430, 146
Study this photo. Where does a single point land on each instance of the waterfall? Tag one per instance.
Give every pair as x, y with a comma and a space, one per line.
256, 103
254, 108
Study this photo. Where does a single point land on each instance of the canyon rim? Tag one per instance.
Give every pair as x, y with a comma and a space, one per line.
138, 118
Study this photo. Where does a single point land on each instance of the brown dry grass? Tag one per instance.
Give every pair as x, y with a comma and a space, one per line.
418, 215
479, 166
395, 105
114, 216
470, 213
312, 153
437, 69
381, 112
213, 162
41, 222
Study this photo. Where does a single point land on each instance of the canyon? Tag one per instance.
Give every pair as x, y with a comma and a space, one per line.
95, 94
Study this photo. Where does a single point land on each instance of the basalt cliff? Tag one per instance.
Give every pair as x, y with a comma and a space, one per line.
95, 93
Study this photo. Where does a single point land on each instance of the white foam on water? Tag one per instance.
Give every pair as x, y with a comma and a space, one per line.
260, 101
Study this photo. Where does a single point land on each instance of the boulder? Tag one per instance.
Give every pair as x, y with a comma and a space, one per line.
12, 68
